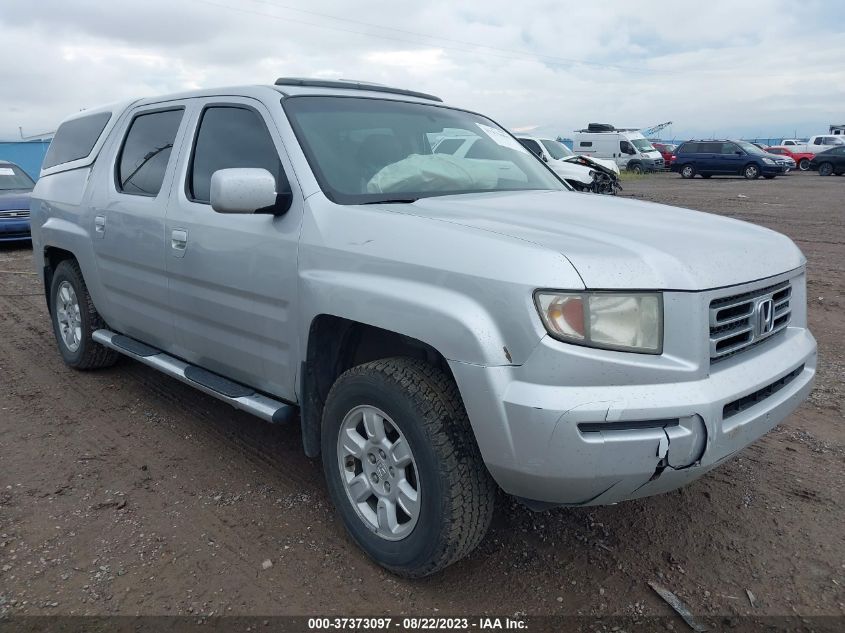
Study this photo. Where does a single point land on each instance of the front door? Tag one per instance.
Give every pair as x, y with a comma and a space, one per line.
128, 230
232, 277
732, 158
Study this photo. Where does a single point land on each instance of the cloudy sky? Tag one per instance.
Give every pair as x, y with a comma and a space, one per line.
725, 68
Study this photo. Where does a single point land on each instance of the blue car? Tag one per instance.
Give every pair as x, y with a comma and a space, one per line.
727, 158
15, 189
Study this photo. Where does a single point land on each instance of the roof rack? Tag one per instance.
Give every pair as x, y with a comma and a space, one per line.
352, 85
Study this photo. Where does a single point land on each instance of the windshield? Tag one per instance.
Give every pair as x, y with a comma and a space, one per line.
13, 177
376, 150
751, 148
557, 150
643, 145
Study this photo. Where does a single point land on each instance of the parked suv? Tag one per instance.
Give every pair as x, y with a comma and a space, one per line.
438, 326
735, 158
829, 162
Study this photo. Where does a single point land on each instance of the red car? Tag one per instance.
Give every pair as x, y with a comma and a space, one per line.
667, 150
802, 159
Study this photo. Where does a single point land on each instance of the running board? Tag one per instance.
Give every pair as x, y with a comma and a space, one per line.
238, 395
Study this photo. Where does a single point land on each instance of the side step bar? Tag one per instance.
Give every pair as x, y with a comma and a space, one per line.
238, 395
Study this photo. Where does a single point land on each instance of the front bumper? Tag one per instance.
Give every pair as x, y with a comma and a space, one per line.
590, 445
14, 230
769, 170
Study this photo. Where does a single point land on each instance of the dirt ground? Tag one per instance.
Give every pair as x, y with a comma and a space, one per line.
125, 492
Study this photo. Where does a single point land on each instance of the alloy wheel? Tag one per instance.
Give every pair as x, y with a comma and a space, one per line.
379, 472
68, 316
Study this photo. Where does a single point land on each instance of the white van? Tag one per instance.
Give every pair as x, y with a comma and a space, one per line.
627, 147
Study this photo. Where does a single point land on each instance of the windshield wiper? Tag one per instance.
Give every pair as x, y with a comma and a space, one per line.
392, 201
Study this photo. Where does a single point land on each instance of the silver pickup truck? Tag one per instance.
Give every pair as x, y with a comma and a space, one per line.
440, 327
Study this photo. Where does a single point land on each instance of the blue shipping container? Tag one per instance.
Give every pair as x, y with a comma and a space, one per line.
27, 154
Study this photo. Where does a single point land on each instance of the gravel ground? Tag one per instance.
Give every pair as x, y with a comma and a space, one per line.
125, 492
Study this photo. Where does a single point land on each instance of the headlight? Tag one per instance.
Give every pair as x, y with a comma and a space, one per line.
769, 161
624, 321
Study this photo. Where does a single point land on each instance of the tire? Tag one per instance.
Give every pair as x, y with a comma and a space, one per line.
804, 164
688, 171
636, 168
420, 405
751, 171
826, 169
75, 319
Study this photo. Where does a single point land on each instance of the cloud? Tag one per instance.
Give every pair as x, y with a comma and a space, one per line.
726, 69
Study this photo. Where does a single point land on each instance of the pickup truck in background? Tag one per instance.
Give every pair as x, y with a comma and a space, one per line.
816, 144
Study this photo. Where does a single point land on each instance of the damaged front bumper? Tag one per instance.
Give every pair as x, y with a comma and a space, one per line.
582, 444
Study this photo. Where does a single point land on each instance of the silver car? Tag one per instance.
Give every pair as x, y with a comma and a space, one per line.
439, 326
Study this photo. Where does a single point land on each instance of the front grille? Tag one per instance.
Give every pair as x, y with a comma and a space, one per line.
15, 213
746, 402
741, 321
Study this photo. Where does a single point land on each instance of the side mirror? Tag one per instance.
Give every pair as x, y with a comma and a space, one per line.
739, 152
246, 190
545, 158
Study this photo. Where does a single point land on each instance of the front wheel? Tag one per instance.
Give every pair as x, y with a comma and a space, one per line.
402, 466
75, 319
804, 164
826, 169
636, 168
687, 171
751, 172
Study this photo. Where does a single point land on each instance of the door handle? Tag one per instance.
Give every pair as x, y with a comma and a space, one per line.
100, 223
179, 239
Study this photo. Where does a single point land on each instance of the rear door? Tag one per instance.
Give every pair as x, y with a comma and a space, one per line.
232, 277
708, 158
129, 211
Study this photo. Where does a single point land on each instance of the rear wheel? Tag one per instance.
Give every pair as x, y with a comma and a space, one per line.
688, 171
826, 169
75, 319
768, 177
751, 172
804, 164
706, 175
402, 466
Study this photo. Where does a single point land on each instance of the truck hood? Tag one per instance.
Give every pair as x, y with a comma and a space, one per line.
616, 243
14, 199
607, 164
571, 171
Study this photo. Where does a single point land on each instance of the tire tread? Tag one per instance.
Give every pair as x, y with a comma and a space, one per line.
468, 508
94, 356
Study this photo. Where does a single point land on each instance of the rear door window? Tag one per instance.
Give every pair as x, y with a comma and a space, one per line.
532, 145
75, 139
231, 136
688, 148
143, 159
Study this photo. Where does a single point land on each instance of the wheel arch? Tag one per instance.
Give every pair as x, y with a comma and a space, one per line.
336, 344
52, 257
